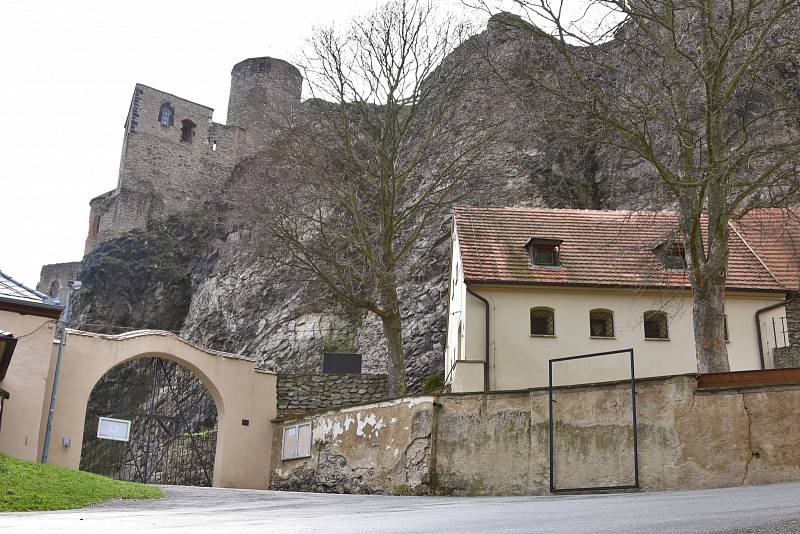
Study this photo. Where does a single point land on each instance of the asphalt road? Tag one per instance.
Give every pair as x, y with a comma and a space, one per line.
773, 508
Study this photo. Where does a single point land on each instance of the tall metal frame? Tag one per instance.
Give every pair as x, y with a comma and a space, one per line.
635, 485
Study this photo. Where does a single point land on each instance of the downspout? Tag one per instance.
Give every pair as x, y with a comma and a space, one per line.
486, 388
758, 328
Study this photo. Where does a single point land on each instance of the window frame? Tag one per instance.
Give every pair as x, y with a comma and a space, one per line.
295, 455
658, 313
551, 321
666, 251
168, 107
535, 245
611, 318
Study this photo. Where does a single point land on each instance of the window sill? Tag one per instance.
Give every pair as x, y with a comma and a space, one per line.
542, 335
656, 339
602, 337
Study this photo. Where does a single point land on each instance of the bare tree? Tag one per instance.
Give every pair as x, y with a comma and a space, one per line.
370, 162
704, 93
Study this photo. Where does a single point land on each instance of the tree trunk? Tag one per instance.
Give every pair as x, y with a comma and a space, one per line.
708, 313
392, 330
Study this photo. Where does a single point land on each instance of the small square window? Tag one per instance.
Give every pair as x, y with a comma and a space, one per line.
655, 325
672, 256
601, 323
544, 252
542, 322
296, 441
544, 256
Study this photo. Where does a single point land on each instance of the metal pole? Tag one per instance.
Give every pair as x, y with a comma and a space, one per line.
56, 373
635, 429
550, 423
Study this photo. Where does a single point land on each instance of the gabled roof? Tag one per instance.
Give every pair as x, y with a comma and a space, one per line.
600, 248
774, 236
17, 295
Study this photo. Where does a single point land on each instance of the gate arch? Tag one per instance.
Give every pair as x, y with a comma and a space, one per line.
173, 433
244, 397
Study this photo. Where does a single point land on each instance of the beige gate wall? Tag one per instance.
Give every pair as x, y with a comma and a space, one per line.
240, 392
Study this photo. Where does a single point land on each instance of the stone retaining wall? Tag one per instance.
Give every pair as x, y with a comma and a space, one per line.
299, 393
786, 357
499, 444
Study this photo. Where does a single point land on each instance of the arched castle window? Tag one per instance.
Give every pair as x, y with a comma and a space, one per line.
187, 131
166, 115
55, 287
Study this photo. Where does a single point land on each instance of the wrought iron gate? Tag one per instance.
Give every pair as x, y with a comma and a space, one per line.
173, 418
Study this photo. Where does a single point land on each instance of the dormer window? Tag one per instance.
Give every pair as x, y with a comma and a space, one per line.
544, 252
672, 256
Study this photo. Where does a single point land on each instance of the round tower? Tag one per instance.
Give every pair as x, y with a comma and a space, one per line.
264, 90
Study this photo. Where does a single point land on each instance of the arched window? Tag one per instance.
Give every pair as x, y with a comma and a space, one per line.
601, 323
166, 115
187, 131
655, 325
543, 321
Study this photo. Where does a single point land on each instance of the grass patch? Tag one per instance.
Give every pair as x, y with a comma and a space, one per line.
27, 486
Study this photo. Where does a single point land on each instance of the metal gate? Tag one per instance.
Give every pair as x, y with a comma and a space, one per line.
552, 403
173, 433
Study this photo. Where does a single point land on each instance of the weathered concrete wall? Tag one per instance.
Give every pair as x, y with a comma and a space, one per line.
499, 444
298, 393
376, 448
786, 357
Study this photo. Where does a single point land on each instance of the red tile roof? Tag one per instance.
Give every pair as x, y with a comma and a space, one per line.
600, 248
774, 235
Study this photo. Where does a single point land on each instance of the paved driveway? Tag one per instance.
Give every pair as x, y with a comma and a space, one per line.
198, 510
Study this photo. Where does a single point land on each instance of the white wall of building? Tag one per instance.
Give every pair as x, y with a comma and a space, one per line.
519, 360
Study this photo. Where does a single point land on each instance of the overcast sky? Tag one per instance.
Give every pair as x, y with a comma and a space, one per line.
68, 70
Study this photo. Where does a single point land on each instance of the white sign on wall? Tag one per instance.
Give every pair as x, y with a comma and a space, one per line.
116, 429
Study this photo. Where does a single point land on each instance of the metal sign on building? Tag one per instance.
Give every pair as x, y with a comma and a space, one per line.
114, 429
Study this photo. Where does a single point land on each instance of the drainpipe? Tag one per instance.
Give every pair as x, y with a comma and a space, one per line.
758, 329
486, 356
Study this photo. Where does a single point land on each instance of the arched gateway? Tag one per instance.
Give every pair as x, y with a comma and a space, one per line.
243, 395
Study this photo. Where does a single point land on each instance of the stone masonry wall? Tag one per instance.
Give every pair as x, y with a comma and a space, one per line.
298, 393
786, 357
499, 444
54, 277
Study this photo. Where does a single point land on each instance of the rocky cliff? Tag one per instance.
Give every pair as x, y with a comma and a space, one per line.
199, 273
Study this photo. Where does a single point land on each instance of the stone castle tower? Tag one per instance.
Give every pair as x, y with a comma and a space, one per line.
174, 155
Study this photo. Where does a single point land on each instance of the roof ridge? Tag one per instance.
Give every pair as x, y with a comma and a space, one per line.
464, 207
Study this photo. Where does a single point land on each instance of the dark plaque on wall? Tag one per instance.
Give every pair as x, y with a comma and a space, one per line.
340, 363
